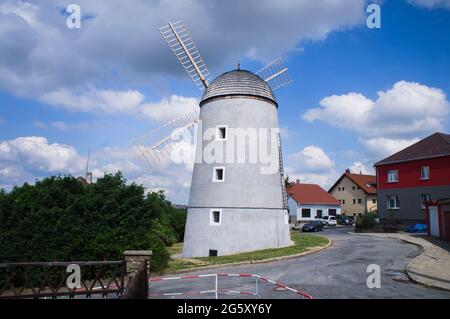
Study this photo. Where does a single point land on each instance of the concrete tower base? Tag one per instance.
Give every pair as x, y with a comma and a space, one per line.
240, 230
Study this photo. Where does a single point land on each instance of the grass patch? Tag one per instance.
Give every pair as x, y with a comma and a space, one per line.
176, 248
303, 242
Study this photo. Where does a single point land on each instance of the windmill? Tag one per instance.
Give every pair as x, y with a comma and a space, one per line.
232, 207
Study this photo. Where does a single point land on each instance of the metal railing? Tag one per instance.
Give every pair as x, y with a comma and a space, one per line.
49, 279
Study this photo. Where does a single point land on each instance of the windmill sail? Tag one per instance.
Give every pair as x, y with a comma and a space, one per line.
275, 74
180, 42
156, 145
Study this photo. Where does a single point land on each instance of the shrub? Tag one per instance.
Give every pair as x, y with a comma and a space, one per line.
160, 255
60, 219
366, 221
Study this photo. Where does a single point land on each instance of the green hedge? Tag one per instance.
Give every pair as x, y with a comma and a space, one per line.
366, 221
60, 219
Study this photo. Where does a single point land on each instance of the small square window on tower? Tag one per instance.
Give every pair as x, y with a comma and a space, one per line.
221, 133
212, 253
215, 217
219, 174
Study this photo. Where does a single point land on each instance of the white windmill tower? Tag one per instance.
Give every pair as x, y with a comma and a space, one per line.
233, 205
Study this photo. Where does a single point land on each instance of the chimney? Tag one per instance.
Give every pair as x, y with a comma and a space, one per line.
298, 181
347, 170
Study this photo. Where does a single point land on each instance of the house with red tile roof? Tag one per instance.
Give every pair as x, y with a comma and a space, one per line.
413, 176
310, 201
356, 192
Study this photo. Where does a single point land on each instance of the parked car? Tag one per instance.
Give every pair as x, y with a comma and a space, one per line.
313, 226
329, 220
416, 228
341, 219
344, 220
297, 226
350, 221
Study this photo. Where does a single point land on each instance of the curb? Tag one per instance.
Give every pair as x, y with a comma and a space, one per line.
414, 278
262, 261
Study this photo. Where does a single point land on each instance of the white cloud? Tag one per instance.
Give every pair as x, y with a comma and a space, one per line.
394, 120
170, 108
174, 179
285, 132
34, 155
65, 126
311, 165
431, 4
109, 47
312, 159
40, 124
8, 172
363, 168
341, 111
384, 147
95, 100
25, 159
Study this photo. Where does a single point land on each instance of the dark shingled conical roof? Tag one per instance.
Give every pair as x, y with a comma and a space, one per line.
435, 145
238, 83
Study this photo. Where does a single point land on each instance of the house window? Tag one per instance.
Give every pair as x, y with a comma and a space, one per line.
319, 213
359, 200
343, 188
306, 212
374, 201
425, 172
331, 212
221, 133
343, 201
354, 201
353, 187
392, 176
215, 217
393, 202
423, 199
219, 174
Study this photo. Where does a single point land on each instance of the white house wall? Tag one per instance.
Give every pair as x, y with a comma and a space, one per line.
295, 210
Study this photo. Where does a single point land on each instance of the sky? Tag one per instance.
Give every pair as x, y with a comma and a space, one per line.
358, 95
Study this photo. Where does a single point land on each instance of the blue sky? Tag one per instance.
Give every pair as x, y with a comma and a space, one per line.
358, 94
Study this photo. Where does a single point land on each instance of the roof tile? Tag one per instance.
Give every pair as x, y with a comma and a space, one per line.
435, 145
311, 194
238, 82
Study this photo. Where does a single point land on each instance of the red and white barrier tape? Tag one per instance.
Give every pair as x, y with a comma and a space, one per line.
180, 277
278, 284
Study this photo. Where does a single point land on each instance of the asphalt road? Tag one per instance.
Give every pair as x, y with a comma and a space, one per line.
336, 272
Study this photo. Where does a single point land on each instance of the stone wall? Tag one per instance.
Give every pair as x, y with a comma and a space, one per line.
134, 258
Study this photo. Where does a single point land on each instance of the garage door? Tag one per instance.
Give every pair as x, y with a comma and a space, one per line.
447, 225
434, 222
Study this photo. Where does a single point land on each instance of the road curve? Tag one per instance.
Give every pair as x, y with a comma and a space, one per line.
336, 272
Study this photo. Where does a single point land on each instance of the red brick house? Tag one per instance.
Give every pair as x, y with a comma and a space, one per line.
417, 174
